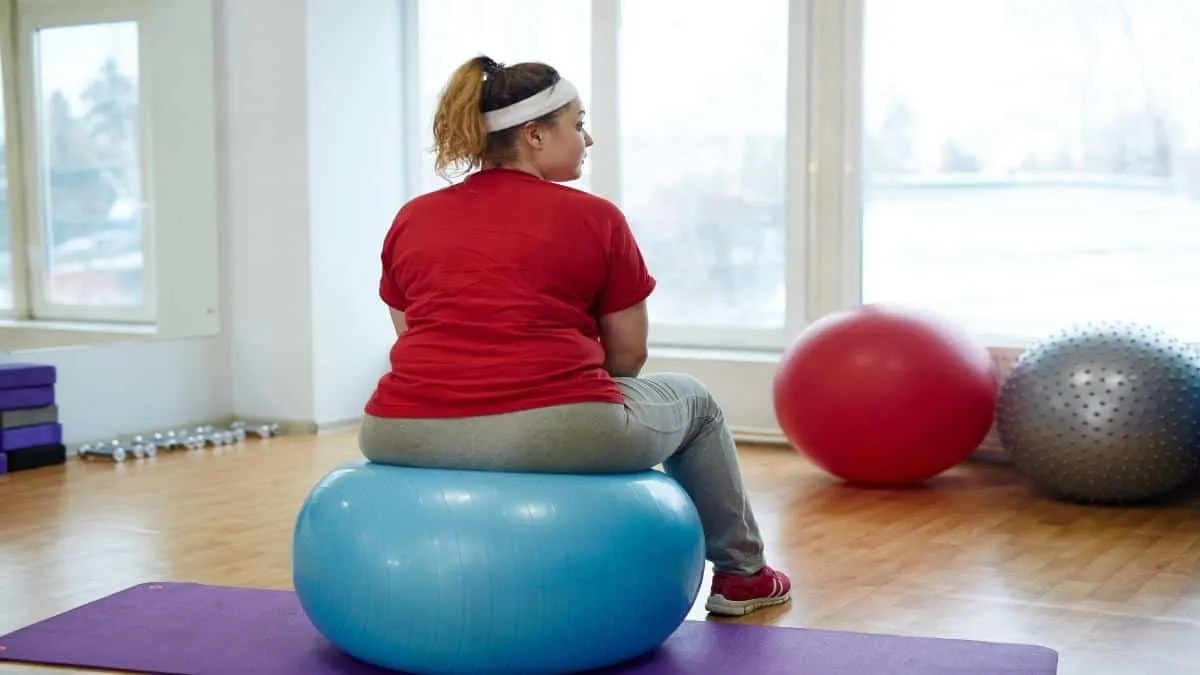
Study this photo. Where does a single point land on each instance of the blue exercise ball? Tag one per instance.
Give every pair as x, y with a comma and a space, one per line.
442, 571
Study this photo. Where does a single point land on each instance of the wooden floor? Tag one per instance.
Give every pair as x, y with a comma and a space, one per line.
975, 555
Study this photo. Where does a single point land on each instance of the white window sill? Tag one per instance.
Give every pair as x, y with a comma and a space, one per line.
729, 355
995, 343
18, 335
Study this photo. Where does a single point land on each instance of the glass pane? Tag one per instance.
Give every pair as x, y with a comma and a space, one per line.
90, 173
1033, 163
703, 106
557, 32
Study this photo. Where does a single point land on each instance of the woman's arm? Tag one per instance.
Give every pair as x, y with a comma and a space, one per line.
399, 322
624, 335
624, 322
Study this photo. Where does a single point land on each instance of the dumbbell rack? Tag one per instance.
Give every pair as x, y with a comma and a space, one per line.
195, 439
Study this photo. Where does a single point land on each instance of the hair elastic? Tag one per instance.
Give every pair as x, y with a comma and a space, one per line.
547, 100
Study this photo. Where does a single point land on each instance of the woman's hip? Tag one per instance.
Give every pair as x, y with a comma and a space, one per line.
573, 438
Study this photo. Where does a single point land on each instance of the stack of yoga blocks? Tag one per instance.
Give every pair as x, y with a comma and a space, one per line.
30, 434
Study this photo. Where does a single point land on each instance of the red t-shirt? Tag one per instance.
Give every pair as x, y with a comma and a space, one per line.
502, 278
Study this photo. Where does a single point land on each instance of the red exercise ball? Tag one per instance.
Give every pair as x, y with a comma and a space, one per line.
885, 396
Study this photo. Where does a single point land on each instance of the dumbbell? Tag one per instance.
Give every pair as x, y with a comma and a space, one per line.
140, 447
113, 451
169, 440
260, 429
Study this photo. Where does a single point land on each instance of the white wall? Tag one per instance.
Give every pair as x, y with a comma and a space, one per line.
313, 124
355, 169
263, 99
162, 385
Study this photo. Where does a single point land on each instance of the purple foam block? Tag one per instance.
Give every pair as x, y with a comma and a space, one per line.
21, 375
3, 462
193, 629
26, 397
30, 437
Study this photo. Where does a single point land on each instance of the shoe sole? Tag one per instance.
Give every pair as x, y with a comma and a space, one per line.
719, 605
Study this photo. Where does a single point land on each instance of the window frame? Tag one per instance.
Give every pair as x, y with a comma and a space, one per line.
180, 151
13, 163
34, 17
835, 226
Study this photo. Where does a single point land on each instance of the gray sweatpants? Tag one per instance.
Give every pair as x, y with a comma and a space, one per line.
668, 419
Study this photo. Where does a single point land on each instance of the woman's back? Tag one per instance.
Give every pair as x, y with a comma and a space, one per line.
501, 279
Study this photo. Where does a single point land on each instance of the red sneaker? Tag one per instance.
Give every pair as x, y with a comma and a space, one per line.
738, 595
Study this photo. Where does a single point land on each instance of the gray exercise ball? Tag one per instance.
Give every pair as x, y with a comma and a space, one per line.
1104, 413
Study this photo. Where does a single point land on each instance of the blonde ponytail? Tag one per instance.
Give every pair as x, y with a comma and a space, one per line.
460, 136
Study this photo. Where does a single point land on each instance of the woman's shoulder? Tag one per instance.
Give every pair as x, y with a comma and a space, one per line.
558, 199
585, 202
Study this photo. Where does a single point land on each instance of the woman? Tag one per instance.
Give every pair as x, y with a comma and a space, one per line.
519, 307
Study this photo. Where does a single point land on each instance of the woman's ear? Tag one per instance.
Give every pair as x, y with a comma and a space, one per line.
533, 135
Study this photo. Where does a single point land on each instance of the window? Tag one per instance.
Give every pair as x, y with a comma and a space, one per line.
89, 240
690, 111
449, 32
703, 120
1016, 165
109, 225
1033, 164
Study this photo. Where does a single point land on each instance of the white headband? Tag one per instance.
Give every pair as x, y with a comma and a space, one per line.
546, 100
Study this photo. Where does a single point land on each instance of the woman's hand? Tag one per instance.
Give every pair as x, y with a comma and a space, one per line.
399, 322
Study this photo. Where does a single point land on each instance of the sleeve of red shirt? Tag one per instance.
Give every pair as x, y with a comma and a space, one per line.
628, 280
389, 290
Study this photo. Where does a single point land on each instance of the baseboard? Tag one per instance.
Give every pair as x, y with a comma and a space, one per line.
759, 436
990, 450
337, 425
297, 428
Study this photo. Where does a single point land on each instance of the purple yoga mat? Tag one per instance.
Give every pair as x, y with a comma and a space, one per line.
30, 437
27, 397
15, 375
193, 629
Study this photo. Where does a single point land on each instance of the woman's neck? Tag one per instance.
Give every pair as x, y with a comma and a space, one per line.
519, 165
